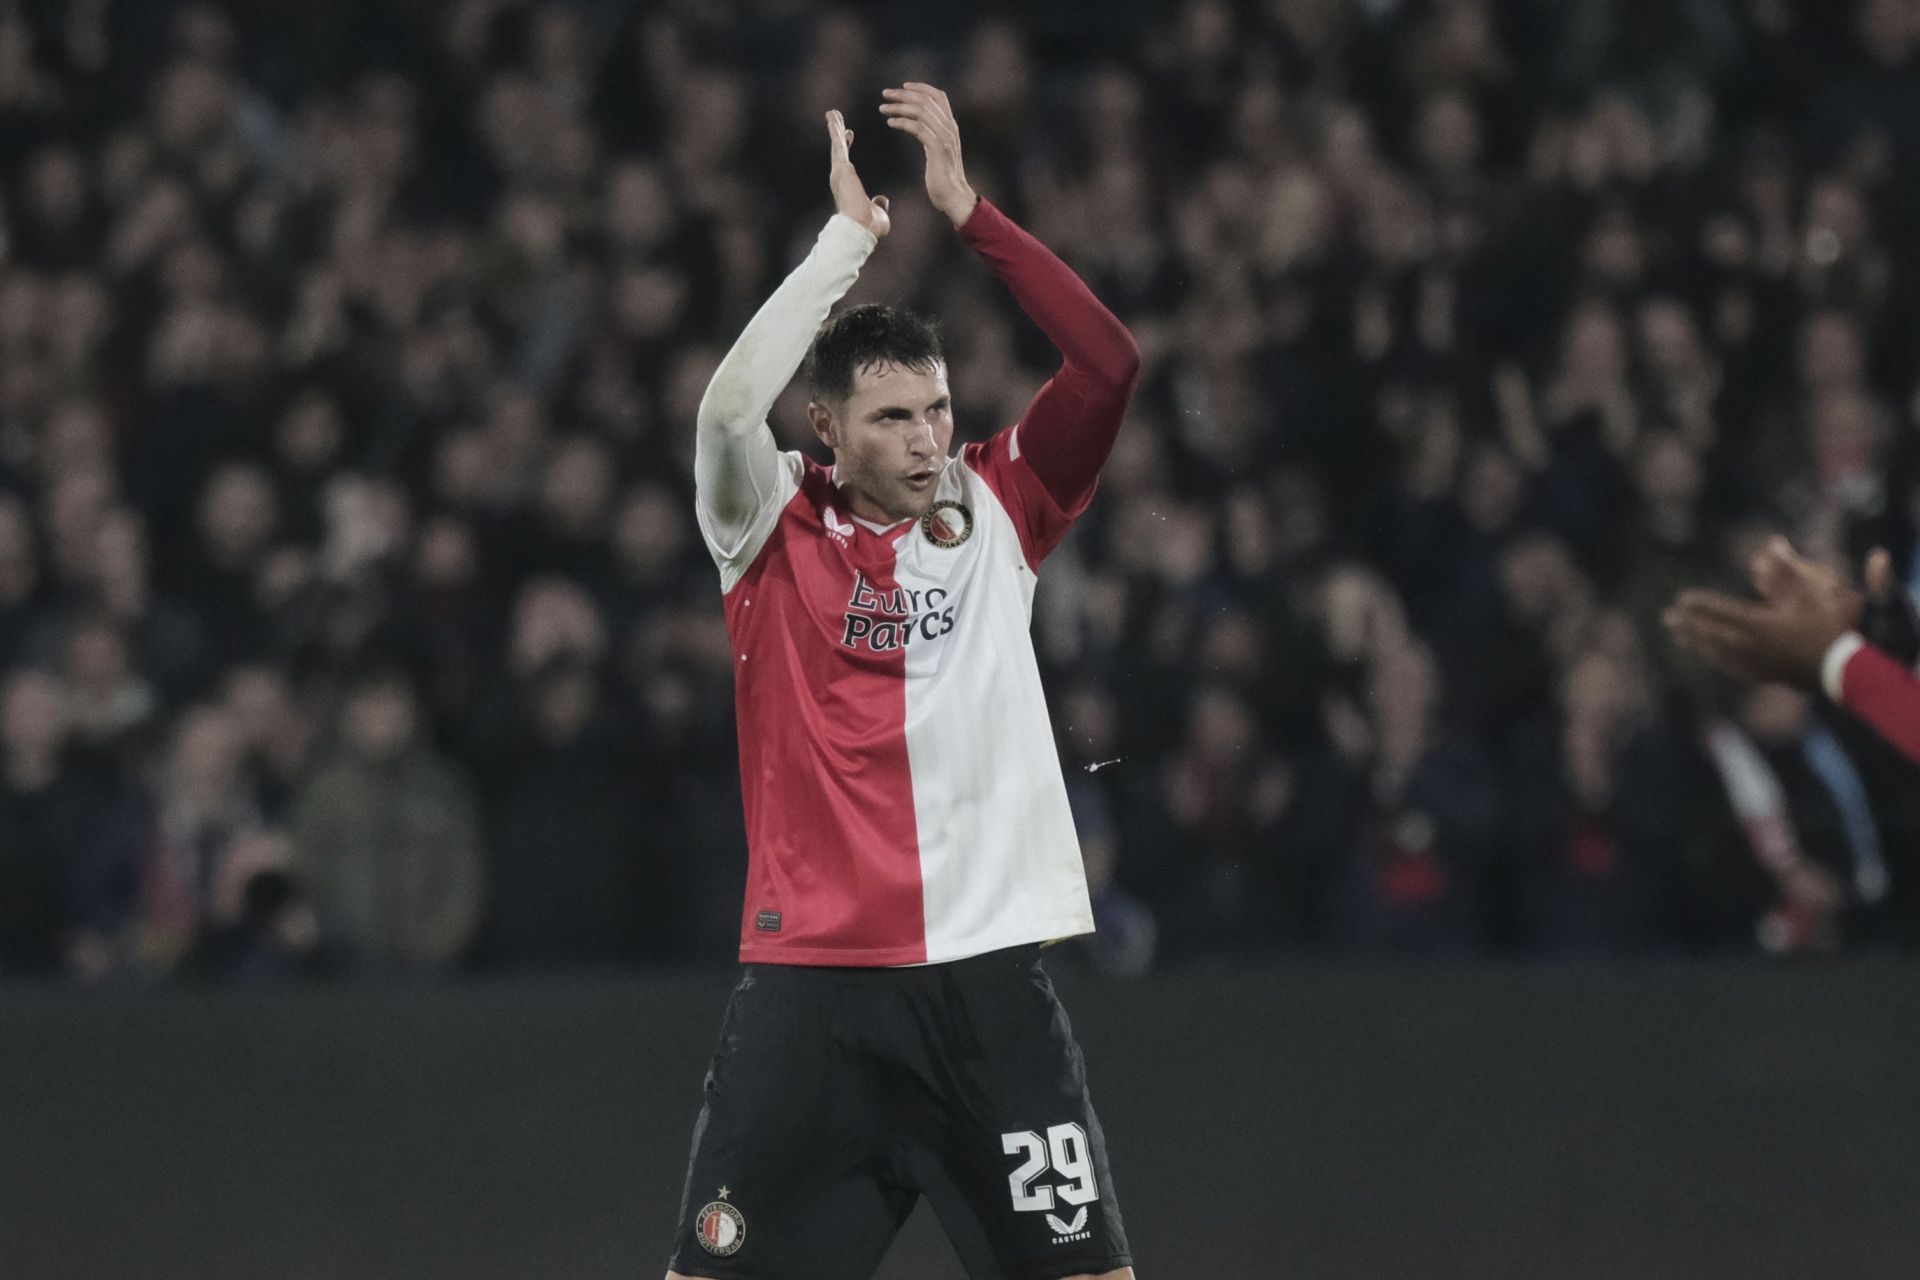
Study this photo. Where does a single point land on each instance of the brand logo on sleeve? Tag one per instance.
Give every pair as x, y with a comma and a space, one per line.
767, 922
885, 619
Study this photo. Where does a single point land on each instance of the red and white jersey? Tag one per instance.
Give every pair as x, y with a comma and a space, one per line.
904, 798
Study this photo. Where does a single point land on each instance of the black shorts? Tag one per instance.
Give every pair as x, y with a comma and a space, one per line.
838, 1097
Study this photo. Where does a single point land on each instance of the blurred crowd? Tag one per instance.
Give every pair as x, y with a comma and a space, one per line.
351, 611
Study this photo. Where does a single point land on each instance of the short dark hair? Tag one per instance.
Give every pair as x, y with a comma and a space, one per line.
866, 336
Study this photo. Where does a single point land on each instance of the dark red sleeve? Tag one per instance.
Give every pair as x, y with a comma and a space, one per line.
1065, 435
1884, 694
1040, 521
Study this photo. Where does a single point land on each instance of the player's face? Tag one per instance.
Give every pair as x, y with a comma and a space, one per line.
891, 438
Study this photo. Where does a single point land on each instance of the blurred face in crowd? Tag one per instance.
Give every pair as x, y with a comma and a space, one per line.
1615, 252
1849, 432
33, 714
1491, 489
1449, 134
309, 435
1599, 690
446, 556
691, 370
463, 469
1364, 617
1220, 729
56, 187
639, 205
890, 437
1089, 722
193, 103
237, 514
1538, 575
1836, 221
191, 272
516, 423
1233, 646
564, 703
1669, 337
75, 506
651, 533
76, 438
1888, 30
554, 618
513, 119
120, 555
708, 123
204, 763
380, 719
1832, 355
578, 485
98, 662
648, 303
1668, 473
1404, 694
1594, 351
260, 703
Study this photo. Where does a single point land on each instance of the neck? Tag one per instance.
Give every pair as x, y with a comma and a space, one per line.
869, 510
861, 504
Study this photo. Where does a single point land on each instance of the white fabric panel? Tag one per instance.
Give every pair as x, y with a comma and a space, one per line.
1000, 862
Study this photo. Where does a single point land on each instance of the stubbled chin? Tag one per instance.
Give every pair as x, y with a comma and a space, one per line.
901, 502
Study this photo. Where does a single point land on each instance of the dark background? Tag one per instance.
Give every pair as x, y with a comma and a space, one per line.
1649, 1122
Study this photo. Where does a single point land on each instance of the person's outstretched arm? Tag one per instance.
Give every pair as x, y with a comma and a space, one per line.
1804, 631
737, 469
1067, 432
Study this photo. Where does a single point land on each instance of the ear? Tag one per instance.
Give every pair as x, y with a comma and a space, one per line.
823, 424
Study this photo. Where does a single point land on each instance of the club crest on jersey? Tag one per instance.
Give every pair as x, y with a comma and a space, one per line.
947, 523
720, 1228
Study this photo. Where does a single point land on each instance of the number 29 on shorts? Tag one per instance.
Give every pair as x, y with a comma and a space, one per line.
1065, 1150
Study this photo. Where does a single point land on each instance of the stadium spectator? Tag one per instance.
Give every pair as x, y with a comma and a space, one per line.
570, 843
40, 807
386, 833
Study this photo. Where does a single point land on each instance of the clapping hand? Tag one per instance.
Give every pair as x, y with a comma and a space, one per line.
849, 193
924, 112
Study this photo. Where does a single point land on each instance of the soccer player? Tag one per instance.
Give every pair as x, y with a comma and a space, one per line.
909, 845
1806, 630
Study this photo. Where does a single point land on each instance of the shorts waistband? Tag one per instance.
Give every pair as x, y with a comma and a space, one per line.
1022, 956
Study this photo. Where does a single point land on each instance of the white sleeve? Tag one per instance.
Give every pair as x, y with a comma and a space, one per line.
741, 479
1834, 663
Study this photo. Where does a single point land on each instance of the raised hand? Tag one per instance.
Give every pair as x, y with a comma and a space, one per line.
1804, 608
924, 112
849, 193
